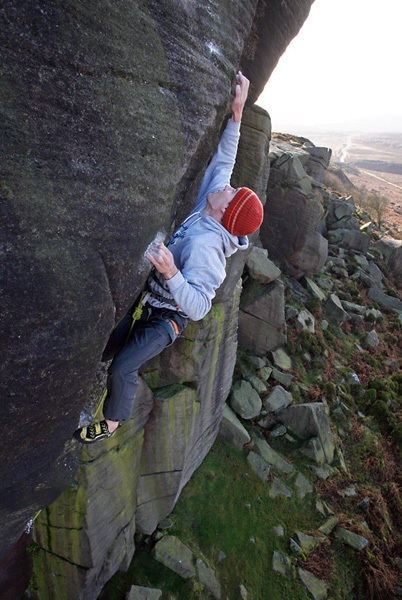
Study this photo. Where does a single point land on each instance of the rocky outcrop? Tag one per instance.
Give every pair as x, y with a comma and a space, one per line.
185, 427
319, 430
291, 443
310, 422
173, 554
392, 251
104, 140
262, 317
262, 314
275, 24
295, 205
130, 483
180, 410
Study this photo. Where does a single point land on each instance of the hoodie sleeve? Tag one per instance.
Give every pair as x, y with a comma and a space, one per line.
219, 170
194, 287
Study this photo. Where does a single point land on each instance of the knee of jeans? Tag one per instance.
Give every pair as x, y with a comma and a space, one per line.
122, 369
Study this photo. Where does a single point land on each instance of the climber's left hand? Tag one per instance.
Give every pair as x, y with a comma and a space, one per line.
241, 93
162, 259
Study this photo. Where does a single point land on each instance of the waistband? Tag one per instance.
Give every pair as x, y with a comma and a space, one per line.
158, 301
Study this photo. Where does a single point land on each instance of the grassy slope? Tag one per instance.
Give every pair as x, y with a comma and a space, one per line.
226, 508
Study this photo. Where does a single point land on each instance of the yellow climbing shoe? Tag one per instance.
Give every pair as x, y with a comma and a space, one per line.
94, 432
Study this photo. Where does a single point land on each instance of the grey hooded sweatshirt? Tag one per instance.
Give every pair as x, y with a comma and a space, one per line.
201, 245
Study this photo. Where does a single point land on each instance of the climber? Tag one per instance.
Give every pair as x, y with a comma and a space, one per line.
186, 272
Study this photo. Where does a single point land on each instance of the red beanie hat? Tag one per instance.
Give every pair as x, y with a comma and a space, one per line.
244, 214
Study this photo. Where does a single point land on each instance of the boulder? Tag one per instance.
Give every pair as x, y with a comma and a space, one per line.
207, 577
371, 340
290, 164
329, 525
262, 325
231, 430
272, 457
278, 530
305, 321
245, 401
260, 467
303, 486
376, 274
311, 257
138, 592
375, 293
351, 307
259, 267
277, 400
285, 379
265, 373
175, 555
318, 163
308, 542
257, 383
281, 359
334, 309
290, 233
278, 489
362, 261
308, 421
314, 289
341, 215
349, 238
283, 565
355, 541
391, 250
317, 588
88, 183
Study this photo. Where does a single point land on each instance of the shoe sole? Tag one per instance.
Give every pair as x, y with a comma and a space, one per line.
105, 436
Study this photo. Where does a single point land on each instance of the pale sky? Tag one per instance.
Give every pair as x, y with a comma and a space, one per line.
342, 69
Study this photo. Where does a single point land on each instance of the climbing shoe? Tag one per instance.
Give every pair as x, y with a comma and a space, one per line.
93, 433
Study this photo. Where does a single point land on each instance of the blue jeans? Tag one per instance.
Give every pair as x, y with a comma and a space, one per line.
157, 329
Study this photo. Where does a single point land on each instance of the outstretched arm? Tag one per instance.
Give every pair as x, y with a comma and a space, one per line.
219, 170
216, 176
241, 93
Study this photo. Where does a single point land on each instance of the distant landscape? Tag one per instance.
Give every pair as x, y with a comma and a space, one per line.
370, 160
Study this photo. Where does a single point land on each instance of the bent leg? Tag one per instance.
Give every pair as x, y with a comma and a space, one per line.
148, 340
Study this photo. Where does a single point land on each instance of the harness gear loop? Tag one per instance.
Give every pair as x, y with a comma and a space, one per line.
137, 312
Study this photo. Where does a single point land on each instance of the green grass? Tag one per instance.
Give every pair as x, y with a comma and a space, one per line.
226, 508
